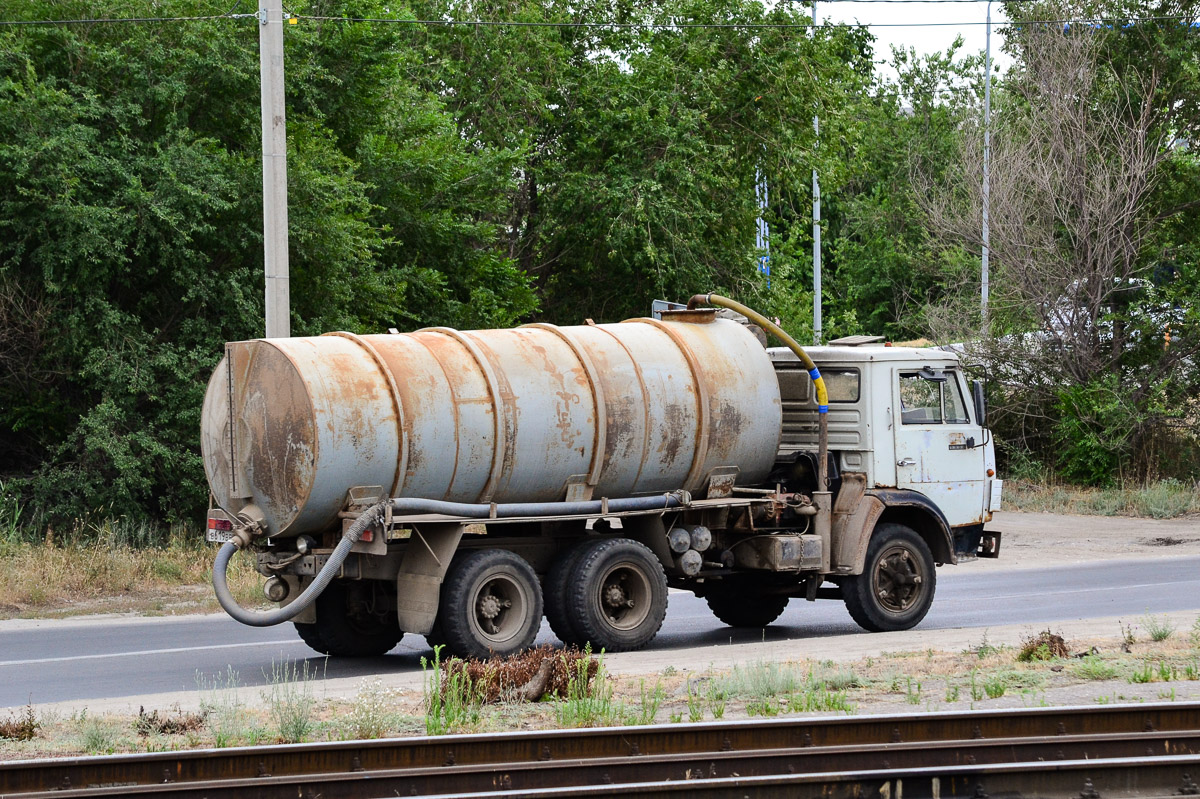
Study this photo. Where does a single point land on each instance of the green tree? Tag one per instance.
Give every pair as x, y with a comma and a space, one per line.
130, 243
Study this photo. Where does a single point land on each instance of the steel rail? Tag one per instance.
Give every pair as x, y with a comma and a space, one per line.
542, 775
576, 759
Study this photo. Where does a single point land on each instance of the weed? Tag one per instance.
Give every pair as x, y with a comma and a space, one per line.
694, 705
1191, 671
985, 648
1142, 674
98, 737
1092, 667
289, 699
976, 689
1167, 695
716, 701
677, 718
588, 701
839, 679
995, 686
765, 706
647, 709
1128, 638
762, 679
951, 692
22, 727
452, 698
223, 708
1160, 628
819, 699
369, 716
1166, 672
911, 695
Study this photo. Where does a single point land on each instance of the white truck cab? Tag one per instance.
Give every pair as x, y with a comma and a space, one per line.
904, 417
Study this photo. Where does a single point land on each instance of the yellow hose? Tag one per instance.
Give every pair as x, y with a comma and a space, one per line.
775, 330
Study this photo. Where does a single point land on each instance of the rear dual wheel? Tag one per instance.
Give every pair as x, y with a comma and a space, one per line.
491, 605
353, 619
616, 595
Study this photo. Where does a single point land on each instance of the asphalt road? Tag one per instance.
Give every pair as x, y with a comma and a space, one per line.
59, 661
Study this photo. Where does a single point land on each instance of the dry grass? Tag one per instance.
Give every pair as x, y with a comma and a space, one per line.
1166, 499
52, 580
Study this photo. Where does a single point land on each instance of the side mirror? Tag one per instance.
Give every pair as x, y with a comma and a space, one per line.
980, 402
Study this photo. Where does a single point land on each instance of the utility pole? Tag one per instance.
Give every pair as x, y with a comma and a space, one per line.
274, 168
987, 156
816, 190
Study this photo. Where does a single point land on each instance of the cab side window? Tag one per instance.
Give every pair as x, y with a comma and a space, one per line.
928, 401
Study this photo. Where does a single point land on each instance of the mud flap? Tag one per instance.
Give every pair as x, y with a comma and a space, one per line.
419, 581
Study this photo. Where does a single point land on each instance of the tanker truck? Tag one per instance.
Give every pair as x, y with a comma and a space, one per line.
461, 485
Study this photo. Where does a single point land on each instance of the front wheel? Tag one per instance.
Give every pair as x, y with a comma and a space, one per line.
896, 587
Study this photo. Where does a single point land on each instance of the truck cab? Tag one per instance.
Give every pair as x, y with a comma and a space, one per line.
907, 421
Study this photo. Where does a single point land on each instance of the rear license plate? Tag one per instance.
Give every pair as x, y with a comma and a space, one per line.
218, 536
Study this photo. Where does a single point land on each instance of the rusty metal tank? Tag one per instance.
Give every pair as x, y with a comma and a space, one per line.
537, 413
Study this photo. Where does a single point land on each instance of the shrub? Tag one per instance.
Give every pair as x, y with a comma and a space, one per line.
22, 727
1043, 646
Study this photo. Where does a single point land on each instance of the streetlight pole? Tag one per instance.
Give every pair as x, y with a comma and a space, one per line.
274, 168
987, 158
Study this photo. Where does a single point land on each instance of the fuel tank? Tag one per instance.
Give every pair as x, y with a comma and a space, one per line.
537, 413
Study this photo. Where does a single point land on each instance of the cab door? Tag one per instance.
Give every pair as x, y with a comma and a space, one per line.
939, 449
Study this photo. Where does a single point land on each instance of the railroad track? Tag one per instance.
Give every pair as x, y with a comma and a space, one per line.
1104, 752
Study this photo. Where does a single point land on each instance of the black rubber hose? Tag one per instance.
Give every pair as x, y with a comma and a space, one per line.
407, 506
309, 595
517, 509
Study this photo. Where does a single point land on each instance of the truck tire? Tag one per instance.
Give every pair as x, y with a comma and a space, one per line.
555, 595
741, 606
617, 595
346, 625
896, 587
491, 605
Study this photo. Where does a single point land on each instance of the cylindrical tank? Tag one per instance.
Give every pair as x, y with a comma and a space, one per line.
530, 414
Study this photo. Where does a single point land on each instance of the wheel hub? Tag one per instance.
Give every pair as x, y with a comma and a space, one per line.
489, 607
898, 580
614, 596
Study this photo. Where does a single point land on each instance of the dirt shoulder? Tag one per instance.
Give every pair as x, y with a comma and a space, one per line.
1032, 540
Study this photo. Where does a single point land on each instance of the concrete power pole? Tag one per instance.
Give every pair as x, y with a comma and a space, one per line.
274, 169
987, 176
816, 190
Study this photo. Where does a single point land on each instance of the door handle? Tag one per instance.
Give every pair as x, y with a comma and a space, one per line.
906, 462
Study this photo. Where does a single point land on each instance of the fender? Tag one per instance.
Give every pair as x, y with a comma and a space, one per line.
923, 515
